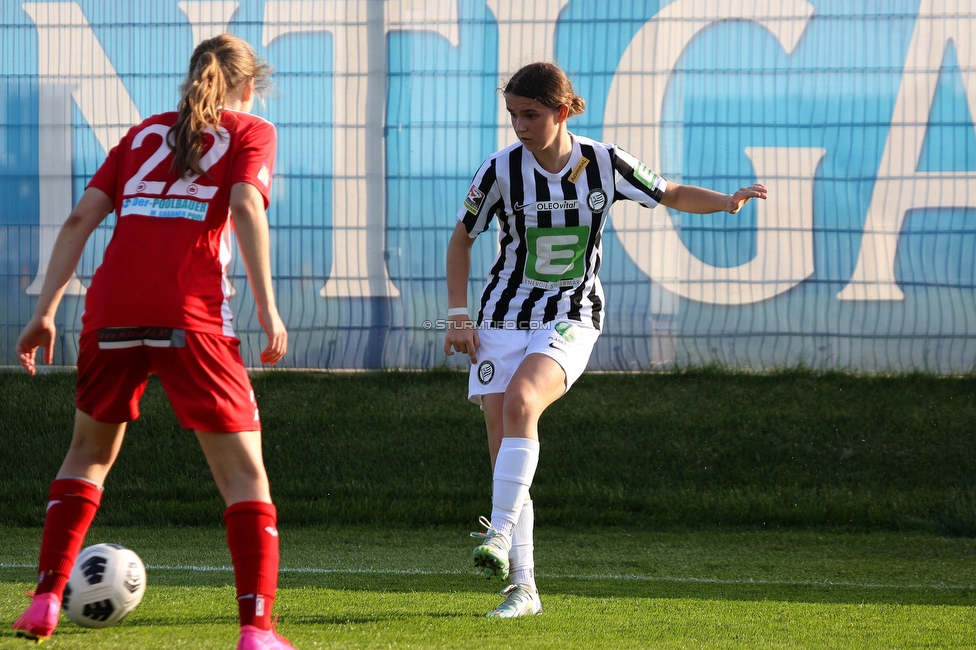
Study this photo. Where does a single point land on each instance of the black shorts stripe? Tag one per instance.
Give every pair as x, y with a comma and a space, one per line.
128, 337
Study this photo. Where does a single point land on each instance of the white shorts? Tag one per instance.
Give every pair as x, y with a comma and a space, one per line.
502, 351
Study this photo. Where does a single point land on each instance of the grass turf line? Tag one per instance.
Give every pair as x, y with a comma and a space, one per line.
414, 588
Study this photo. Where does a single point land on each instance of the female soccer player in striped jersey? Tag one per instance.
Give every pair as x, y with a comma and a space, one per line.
542, 307
178, 182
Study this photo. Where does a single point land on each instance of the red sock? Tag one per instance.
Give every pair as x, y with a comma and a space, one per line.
252, 537
71, 507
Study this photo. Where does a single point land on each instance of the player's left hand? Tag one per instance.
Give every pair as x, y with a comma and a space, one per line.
741, 197
274, 327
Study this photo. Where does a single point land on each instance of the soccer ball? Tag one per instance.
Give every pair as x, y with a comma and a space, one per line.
105, 585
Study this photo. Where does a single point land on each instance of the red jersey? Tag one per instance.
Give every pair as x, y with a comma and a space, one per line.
165, 265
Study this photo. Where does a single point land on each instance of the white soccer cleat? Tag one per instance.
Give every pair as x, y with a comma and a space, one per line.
491, 556
520, 600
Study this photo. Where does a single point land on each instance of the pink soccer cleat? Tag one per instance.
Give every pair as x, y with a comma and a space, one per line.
40, 619
253, 638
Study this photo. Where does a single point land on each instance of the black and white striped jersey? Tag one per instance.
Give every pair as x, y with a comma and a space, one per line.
551, 229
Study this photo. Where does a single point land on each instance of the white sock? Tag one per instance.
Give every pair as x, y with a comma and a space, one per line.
521, 556
514, 468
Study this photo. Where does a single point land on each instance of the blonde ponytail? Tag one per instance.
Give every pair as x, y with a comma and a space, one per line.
218, 65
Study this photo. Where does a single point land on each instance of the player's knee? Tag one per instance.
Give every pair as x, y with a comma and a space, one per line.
521, 405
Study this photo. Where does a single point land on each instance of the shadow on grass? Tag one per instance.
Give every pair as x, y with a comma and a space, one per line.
797, 593
326, 619
207, 619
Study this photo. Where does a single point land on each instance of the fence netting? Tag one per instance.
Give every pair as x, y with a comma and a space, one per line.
858, 117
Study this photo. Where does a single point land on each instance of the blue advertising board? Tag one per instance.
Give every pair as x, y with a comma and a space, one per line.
857, 116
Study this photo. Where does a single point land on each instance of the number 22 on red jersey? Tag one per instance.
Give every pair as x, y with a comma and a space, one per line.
185, 198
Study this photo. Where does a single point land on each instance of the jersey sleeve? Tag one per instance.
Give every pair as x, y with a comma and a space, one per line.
635, 181
255, 157
106, 178
483, 201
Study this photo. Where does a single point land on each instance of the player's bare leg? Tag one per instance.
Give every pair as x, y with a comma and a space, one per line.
237, 465
93, 450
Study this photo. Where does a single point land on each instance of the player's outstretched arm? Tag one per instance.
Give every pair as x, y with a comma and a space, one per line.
251, 224
699, 200
461, 335
40, 331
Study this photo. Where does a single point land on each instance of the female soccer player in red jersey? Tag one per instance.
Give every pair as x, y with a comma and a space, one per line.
179, 183
542, 307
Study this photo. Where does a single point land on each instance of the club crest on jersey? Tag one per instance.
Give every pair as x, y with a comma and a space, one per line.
474, 199
485, 372
265, 174
596, 200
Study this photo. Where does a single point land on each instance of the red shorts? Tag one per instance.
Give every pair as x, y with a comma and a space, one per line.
203, 376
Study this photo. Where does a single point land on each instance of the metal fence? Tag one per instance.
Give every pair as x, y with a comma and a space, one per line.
857, 116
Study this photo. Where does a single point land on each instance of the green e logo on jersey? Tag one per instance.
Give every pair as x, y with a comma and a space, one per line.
646, 175
555, 256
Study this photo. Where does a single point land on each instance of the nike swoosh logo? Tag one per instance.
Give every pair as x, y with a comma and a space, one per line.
521, 206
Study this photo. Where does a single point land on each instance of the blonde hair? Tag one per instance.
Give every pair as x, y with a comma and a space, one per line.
547, 84
218, 65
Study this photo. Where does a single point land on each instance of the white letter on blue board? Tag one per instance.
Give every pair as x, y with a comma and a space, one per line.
900, 187
784, 255
359, 268
72, 66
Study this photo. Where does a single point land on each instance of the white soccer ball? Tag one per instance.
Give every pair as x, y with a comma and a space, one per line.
106, 584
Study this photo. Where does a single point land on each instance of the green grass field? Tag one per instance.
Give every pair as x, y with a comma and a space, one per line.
651, 451
698, 509
352, 587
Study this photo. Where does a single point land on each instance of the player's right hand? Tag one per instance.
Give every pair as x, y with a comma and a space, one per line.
461, 337
38, 333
